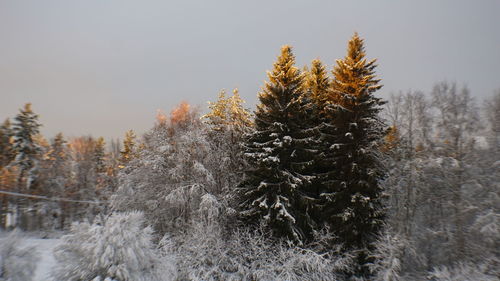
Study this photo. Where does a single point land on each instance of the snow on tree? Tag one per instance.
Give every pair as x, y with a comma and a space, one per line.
457, 121
492, 110
228, 121
443, 187
170, 174
209, 253
351, 183
119, 248
272, 190
99, 155
463, 272
25, 128
388, 254
17, 263
27, 150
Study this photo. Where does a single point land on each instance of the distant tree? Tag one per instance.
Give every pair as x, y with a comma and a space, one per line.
353, 191
100, 155
272, 191
26, 127
228, 121
492, 110
6, 140
7, 175
457, 122
170, 175
56, 173
128, 148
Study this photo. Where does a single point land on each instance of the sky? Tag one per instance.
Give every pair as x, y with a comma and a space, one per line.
102, 67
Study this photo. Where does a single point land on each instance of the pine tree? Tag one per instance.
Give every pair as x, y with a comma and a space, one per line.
27, 150
6, 148
99, 155
353, 206
128, 148
272, 191
26, 127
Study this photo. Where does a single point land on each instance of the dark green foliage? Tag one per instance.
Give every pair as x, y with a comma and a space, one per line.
277, 151
352, 192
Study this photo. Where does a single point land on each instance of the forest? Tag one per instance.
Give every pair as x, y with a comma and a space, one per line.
323, 180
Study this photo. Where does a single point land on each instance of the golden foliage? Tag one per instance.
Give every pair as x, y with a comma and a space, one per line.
228, 112
180, 114
353, 75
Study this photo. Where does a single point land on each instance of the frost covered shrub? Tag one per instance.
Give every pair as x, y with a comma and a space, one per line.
463, 272
119, 249
16, 263
207, 253
390, 250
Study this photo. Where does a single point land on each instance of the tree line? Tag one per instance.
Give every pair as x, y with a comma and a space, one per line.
324, 181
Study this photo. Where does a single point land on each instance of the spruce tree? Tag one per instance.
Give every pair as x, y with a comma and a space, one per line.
128, 148
272, 192
6, 148
26, 127
353, 199
317, 83
28, 151
99, 155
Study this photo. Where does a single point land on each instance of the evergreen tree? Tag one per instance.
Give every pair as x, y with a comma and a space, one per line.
26, 127
99, 155
353, 191
6, 148
272, 191
27, 150
318, 82
128, 148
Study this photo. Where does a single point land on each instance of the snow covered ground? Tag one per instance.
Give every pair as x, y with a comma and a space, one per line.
44, 248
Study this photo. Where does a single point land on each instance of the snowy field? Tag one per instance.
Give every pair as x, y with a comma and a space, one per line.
46, 260
44, 248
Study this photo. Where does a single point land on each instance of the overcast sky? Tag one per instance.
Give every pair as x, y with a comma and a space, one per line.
102, 67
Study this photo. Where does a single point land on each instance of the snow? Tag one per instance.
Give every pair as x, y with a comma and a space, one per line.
44, 248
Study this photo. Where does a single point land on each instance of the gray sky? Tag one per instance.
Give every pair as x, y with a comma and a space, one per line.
102, 67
